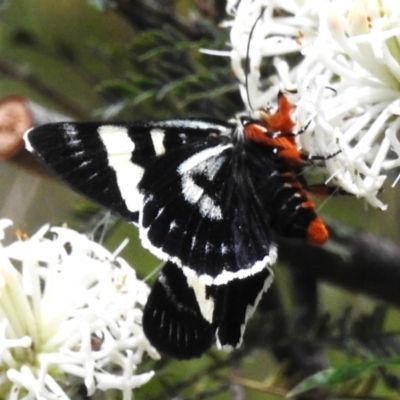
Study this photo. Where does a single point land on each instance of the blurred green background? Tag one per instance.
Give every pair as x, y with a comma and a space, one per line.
100, 63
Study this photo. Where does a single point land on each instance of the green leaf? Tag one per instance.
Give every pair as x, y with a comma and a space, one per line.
332, 376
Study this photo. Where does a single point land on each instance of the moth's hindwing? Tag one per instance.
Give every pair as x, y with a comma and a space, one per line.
172, 319
235, 303
183, 316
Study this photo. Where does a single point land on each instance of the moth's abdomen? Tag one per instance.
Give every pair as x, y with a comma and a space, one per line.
292, 213
317, 232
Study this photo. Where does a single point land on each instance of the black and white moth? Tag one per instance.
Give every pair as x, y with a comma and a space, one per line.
206, 196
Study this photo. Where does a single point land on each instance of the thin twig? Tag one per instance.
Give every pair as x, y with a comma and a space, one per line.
353, 260
15, 71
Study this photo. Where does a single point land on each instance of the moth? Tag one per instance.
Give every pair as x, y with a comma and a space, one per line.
207, 196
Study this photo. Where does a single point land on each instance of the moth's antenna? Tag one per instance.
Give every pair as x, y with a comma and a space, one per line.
247, 64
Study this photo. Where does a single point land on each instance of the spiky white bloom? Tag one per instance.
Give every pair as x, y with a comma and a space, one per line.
68, 308
347, 79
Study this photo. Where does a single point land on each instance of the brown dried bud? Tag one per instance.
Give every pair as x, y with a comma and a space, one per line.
15, 119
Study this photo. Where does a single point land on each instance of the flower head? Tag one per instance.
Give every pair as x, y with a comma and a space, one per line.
345, 69
68, 307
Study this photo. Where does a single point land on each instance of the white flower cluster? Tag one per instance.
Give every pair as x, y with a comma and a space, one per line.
345, 70
68, 308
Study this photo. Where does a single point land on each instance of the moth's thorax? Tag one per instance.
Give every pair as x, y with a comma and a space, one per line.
271, 128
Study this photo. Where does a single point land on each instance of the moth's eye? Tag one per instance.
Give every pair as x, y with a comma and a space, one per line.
246, 120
